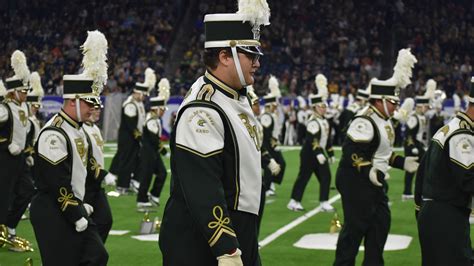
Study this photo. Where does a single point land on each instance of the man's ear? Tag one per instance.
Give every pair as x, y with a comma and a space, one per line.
225, 58
71, 103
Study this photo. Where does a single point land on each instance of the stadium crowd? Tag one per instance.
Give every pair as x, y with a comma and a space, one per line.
341, 39
139, 35
319, 55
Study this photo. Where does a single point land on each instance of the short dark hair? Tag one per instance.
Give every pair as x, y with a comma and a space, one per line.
211, 56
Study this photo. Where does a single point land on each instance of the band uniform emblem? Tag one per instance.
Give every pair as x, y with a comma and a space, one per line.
251, 129
81, 149
23, 118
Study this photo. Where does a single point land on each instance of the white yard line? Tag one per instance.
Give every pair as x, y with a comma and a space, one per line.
336, 148
294, 223
269, 201
282, 148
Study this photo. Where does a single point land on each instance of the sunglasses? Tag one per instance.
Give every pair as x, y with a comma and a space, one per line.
252, 57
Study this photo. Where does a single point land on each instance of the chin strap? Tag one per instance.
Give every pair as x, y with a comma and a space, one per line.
237, 66
17, 95
385, 108
78, 110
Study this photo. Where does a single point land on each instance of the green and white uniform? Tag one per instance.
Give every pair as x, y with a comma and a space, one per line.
444, 188
216, 178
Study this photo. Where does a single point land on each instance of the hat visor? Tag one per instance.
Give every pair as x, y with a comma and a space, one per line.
98, 103
140, 91
91, 100
251, 49
23, 89
393, 99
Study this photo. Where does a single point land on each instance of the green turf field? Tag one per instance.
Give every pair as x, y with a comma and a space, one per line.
124, 250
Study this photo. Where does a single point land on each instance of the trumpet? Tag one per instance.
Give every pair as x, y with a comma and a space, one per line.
336, 225
14, 243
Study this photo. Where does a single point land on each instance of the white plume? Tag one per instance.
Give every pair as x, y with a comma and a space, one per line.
150, 78
35, 84
403, 68
405, 110
301, 101
408, 104
322, 84
18, 63
257, 12
94, 61
438, 99
251, 93
369, 87
457, 103
274, 86
430, 88
3, 90
250, 89
164, 89
472, 79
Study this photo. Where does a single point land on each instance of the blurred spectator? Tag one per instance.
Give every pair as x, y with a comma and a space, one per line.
49, 32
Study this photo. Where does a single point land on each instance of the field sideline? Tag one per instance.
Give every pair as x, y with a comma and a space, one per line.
124, 250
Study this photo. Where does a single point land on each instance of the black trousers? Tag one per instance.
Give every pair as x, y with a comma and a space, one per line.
366, 216
22, 194
301, 130
102, 215
12, 169
114, 165
444, 233
309, 165
182, 243
151, 163
260, 211
409, 176
128, 159
268, 178
58, 241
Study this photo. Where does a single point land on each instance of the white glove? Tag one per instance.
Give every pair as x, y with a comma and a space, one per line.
230, 260
89, 209
81, 224
411, 164
373, 177
321, 158
30, 161
14, 149
110, 179
414, 151
332, 159
274, 167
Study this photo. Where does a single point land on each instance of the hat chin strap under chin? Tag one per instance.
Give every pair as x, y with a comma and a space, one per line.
17, 95
385, 108
238, 67
78, 110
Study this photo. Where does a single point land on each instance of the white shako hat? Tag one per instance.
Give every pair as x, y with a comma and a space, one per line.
321, 97
390, 88
239, 31
20, 80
